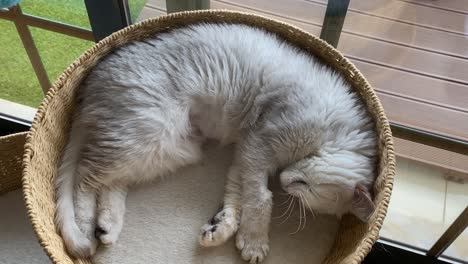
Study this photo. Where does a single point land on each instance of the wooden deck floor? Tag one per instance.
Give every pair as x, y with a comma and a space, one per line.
413, 52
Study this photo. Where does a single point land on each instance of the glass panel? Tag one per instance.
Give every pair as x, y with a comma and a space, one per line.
67, 11
136, 6
151, 8
416, 212
307, 15
416, 58
414, 54
457, 200
18, 81
58, 51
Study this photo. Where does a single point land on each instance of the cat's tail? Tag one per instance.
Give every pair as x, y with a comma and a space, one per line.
76, 242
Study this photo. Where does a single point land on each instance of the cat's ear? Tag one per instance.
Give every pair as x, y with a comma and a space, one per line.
362, 205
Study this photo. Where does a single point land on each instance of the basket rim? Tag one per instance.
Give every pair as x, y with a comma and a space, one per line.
385, 136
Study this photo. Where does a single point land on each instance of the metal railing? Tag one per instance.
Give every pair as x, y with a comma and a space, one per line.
106, 17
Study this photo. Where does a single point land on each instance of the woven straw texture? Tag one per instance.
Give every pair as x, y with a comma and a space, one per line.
11, 155
50, 129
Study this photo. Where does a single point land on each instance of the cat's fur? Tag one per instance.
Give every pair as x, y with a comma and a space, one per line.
145, 110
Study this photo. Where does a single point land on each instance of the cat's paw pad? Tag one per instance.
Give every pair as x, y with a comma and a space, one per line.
210, 236
254, 248
220, 228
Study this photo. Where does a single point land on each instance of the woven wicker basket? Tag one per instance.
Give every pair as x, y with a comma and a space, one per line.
49, 131
11, 154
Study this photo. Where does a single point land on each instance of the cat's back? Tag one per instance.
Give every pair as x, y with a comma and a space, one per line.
180, 49
192, 50
182, 62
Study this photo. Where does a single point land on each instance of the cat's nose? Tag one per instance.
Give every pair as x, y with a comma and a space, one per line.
289, 177
285, 179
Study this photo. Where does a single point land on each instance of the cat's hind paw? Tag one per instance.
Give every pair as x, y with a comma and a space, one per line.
220, 228
108, 228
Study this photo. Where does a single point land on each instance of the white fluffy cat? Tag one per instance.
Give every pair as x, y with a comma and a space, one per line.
145, 110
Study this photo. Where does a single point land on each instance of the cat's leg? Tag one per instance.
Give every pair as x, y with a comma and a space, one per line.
252, 237
112, 198
85, 212
111, 211
226, 222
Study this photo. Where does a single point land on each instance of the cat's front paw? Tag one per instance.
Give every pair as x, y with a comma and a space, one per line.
220, 228
254, 247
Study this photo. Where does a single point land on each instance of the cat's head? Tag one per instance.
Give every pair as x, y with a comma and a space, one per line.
332, 184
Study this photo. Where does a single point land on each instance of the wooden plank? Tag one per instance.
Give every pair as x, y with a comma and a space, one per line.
313, 11
459, 6
412, 60
313, 29
429, 138
405, 12
419, 61
407, 35
367, 26
454, 162
426, 117
417, 87
300, 10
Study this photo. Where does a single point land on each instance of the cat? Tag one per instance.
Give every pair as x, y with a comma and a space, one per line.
146, 108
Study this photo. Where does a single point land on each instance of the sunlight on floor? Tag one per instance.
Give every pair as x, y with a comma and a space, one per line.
423, 205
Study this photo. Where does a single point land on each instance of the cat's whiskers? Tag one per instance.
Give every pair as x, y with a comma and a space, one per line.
300, 219
290, 212
311, 190
289, 206
303, 210
310, 208
302, 214
287, 200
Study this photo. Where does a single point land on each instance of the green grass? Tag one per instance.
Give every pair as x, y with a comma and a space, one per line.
18, 83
